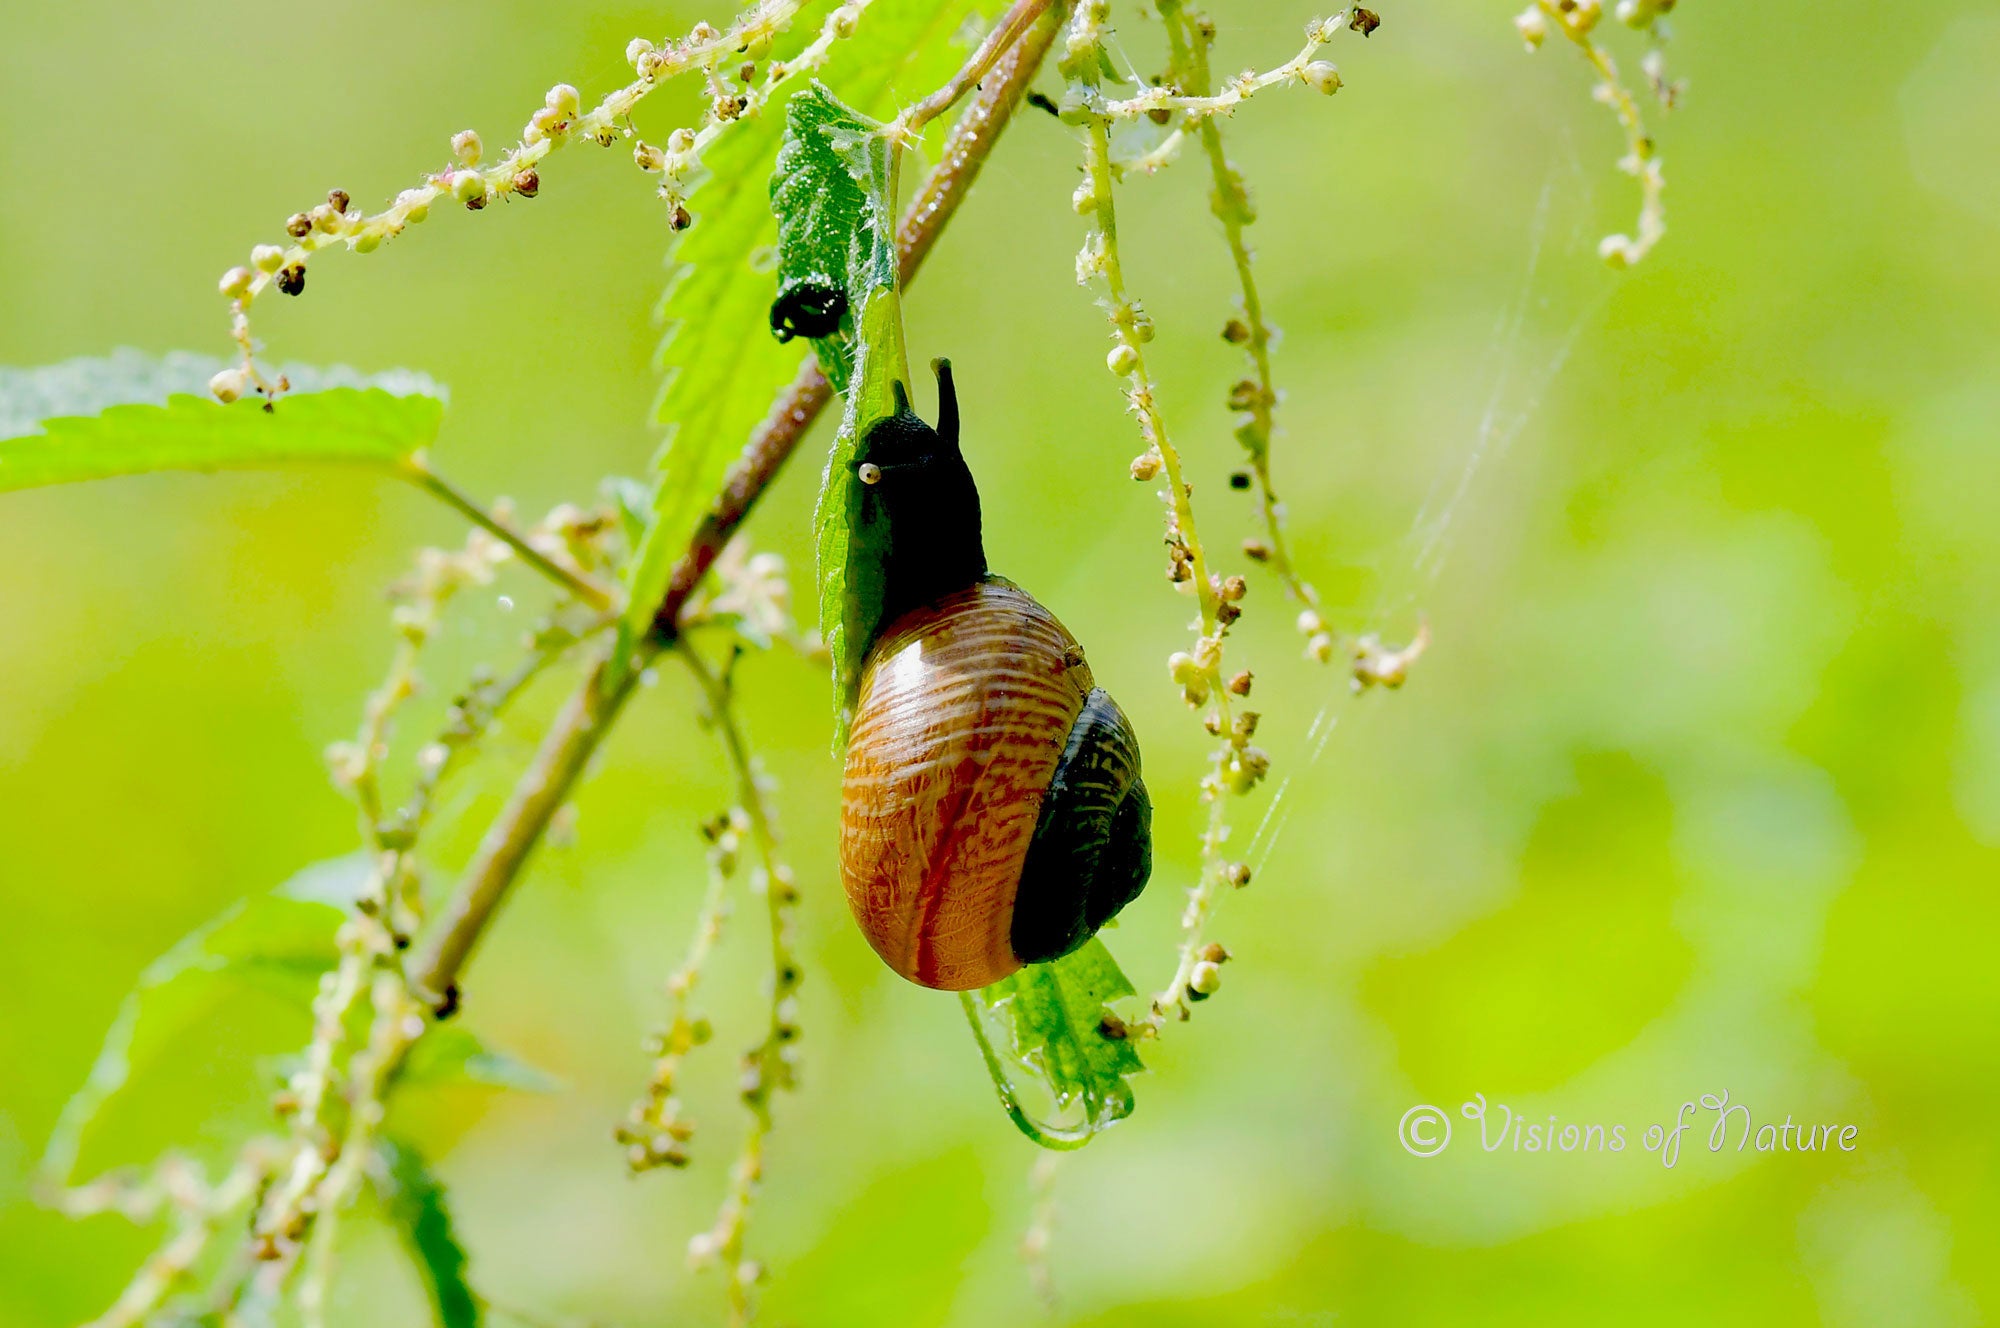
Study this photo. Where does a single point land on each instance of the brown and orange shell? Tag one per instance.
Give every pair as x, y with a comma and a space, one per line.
963, 710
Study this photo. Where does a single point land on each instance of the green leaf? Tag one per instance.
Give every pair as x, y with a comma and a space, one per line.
833, 192
453, 1053
415, 1201
1053, 1018
126, 414
278, 943
853, 557
722, 368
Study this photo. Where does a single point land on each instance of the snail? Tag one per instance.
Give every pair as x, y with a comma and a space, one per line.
992, 810
808, 309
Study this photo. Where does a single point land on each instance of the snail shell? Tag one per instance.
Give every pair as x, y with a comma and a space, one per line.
970, 708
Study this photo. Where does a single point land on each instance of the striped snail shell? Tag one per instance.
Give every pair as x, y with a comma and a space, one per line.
992, 810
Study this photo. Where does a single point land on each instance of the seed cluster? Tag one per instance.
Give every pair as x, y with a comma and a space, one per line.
1185, 98
1578, 20
738, 85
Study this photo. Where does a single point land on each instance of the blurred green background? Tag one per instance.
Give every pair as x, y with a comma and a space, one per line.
1698, 789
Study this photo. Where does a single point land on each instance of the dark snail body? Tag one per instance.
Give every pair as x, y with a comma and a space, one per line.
1095, 832
808, 310
992, 808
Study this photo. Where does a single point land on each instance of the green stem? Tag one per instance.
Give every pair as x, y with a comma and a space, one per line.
1048, 1137
584, 722
419, 473
1230, 204
1004, 34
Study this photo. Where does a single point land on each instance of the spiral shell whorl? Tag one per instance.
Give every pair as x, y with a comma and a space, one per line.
963, 711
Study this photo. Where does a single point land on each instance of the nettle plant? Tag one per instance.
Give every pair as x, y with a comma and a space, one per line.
785, 200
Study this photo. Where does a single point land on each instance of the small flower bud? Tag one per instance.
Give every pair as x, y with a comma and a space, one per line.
1145, 466
1122, 360
681, 141
1215, 952
414, 204
1233, 588
228, 385
1257, 551
680, 218
1235, 332
1181, 667
527, 184
1616, 250
649, 158
1084, 200
236, 281
1236, 873
468, 188
298, 225
636, 52
1244, 768
368, 242
267, 257
544, 123
1365, 21
1322, 76
1206, 979
325, 219
1320, 647
292, 280
337, 199
465, 145
1532, 26
562, 99
1240, 684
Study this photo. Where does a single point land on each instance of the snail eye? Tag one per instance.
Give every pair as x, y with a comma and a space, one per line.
870, 473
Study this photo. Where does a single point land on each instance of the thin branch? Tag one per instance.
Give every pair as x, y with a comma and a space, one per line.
543, 788
1005, 33
1642, 158
769, 1065
588, 715
418, 472
1230, 203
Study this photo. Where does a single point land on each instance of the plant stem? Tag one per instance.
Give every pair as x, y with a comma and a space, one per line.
1642, 154
418, 472
1230, 203
589, 714
1005, 34
584, 722
769, 1065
